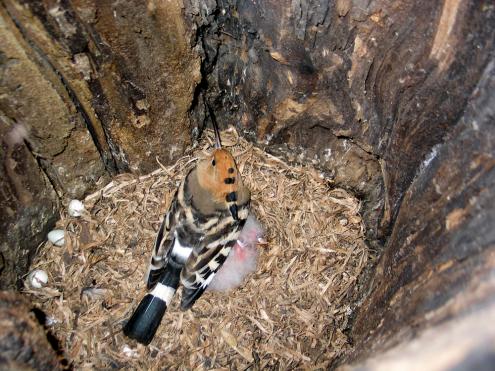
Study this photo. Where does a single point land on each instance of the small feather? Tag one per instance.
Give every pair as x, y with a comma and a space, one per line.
93, 293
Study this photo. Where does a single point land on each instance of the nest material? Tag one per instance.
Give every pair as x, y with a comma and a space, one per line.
291, 313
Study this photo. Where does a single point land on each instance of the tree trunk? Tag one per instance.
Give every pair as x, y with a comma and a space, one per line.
392, 99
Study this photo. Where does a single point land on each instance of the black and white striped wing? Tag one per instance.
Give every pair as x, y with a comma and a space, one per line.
163, 243
200, 270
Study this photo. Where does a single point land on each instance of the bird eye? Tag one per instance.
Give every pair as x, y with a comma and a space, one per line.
213, 162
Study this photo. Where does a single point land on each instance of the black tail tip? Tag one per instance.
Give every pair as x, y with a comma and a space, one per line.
145, 320
137, 335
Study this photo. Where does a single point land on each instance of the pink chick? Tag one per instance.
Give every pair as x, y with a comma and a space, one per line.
242, 258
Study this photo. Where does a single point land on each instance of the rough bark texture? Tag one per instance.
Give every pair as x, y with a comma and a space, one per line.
92, 88
393, 99
449, 251
363, 88
464, 344
23, 341
28, 206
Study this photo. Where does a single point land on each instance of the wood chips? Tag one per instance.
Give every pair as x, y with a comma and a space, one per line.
290, 314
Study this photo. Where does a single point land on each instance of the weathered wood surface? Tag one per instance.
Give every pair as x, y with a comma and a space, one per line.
23, 341
468, 343
95, 88
391, 98
363, 88
440, 259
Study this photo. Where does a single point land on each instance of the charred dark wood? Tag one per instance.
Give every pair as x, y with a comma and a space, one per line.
392, 99
23, 340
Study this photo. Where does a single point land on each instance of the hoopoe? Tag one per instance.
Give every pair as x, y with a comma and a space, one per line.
202, 224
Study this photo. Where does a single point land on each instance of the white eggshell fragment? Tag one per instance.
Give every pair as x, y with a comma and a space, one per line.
129, 352
76, 208
51, 321
38, 278
56, 237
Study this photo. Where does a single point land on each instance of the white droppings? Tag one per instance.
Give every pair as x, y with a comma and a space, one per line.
61, 171
268, 138
83, 65
431, 156
65, 26
428, 160
129, 352
51, 321
75, 208
173, 150
327, 154
17, 134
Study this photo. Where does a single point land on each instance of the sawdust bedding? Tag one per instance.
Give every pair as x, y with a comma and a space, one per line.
290, 314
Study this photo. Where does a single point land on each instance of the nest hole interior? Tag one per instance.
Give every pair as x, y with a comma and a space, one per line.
293, 311
392, 99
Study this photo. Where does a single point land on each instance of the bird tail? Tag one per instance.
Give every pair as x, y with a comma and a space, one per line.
148, 315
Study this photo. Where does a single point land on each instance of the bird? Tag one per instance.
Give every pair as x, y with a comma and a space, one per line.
242, 259
202, 224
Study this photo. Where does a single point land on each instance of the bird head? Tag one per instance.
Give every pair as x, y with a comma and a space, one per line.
219, 176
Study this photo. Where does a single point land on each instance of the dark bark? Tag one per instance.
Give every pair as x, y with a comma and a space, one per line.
443, 243
364, 88
28, 203
23, 341
382, 95
392, 99
97, 89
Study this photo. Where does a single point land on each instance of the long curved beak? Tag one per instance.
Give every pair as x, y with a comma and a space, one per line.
218, 142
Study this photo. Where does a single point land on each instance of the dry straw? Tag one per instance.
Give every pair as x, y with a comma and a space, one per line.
290, 314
